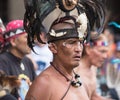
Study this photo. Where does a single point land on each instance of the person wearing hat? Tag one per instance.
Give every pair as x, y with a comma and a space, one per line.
59, 81
13, 60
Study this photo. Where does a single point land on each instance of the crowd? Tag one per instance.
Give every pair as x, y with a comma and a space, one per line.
77, 58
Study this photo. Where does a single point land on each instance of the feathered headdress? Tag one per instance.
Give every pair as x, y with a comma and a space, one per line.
37, 11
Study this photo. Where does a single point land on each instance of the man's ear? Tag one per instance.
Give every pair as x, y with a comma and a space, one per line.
12, 42
52, 47
88, 49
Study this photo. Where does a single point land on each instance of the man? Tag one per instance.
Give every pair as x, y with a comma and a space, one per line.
94, 56
59, 81
13, 60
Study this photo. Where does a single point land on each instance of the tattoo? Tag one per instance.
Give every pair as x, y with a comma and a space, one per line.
30, 98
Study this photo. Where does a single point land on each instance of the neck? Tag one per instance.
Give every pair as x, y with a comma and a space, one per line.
16, 53
85, 62
74, 80
66, 69
62, 71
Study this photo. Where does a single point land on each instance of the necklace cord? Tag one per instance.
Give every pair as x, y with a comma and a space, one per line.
73, 83
66, 79
60, 72
76, 82
66, 91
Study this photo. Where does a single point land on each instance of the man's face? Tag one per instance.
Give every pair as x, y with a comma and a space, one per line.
21, 44
69, 51
98, 54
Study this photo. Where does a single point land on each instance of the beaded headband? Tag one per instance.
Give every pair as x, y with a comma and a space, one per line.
101, 43
14, 33
13, 29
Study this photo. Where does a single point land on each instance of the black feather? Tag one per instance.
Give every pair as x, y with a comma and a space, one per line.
95, 12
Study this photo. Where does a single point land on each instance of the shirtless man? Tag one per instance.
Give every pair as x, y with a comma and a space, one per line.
94, 55
59, 81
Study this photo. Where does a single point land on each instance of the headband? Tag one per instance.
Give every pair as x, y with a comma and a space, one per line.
77, 31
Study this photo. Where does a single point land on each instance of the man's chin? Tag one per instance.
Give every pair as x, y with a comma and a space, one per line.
76, 64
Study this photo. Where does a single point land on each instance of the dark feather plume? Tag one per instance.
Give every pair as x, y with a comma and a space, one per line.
95, 12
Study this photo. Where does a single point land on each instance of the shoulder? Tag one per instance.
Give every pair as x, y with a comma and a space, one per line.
44, 79
28, 61
41, 87
4, 56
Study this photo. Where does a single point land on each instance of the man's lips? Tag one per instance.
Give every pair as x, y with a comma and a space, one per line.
77, 57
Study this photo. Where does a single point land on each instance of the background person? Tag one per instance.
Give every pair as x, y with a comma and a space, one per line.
112, 65
94, 55
13, 60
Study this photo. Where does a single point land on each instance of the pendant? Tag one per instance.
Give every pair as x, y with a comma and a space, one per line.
77, 82
22, 66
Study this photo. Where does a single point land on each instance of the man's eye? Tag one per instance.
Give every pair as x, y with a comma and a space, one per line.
71, 42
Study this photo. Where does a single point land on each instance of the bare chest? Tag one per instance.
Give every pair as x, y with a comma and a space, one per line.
64, 91
90, 85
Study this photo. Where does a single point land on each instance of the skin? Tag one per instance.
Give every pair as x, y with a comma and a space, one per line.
93, 58
19, 46
50, 84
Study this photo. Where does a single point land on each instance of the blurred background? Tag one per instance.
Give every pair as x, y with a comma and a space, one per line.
14, 9
11, 9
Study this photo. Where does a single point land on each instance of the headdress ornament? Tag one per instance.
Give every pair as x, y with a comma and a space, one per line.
78, 29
